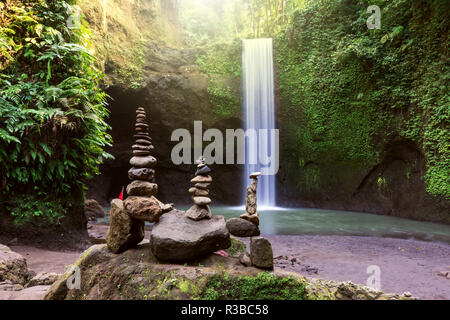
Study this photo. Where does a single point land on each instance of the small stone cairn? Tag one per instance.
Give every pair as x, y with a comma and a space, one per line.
200, 192
261, 254
185, 236
127, 221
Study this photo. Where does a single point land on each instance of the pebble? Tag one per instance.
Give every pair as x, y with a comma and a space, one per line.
198, 192
201, 179
143, 162
141, 153
142, 147
203, 171
202, 185
143, 142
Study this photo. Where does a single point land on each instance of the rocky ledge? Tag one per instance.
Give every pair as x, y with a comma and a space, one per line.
137, 274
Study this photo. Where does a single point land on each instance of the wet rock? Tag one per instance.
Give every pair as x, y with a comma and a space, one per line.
261, 253
178, 238
242, 228
143, 208
124, 232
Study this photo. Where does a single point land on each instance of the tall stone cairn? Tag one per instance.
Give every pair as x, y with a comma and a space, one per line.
143, 163
250, 200
127, 222
200, 192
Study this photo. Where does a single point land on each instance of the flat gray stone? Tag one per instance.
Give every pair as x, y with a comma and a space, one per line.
145, 174
202, 201
178, 238
124, 232
242, 228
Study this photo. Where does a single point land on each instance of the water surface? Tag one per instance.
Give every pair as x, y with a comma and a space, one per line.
298, 221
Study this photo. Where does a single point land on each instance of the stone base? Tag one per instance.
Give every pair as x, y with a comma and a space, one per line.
124, 232
180, 239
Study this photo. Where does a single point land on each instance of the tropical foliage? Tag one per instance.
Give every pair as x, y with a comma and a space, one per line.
52, 128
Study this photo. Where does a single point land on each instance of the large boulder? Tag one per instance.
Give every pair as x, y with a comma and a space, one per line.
93, 209
179, 238
13, 267
124, 232
242, 228
137, 275
261, 254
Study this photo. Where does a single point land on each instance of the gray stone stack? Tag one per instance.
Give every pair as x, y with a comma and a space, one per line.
143, 163
200, 192
247, 225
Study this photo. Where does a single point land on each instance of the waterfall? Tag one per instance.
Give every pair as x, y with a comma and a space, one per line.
258, 91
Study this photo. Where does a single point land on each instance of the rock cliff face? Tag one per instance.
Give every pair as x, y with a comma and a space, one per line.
140, 47
146, 65
394, 186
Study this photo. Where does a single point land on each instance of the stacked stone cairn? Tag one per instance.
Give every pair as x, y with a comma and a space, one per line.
128, 217
185, 236
247, 225
200, 192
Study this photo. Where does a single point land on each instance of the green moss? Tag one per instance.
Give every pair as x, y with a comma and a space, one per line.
237, 247
345, 90
222, 63
265, 286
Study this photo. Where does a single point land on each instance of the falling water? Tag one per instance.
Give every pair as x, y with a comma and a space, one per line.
257, 61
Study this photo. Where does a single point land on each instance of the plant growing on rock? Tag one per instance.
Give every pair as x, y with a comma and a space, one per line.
52, 111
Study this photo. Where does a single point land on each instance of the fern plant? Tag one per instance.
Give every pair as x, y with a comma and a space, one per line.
52, 111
